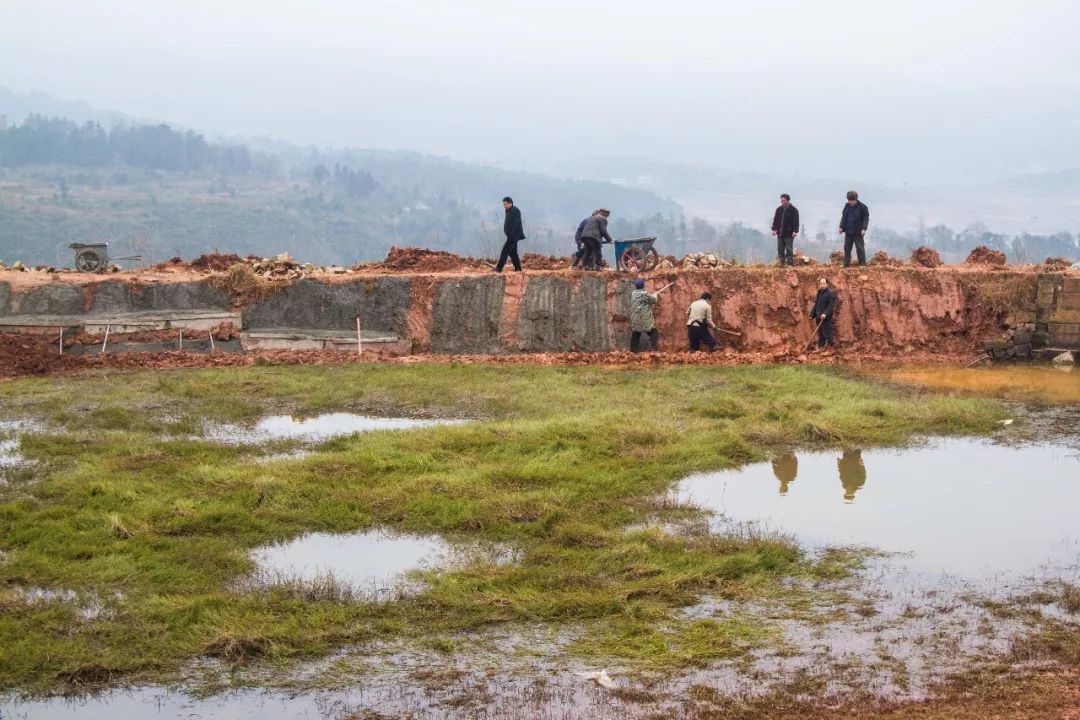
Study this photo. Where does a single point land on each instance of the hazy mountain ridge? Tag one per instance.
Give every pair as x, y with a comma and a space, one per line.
159, 191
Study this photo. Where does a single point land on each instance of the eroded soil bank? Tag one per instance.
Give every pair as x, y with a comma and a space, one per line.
904, 313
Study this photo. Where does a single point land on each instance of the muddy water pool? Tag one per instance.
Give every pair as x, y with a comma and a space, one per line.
967, 508
361, 560
1028, 383
316, 428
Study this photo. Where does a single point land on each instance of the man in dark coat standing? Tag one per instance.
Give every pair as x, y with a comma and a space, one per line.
785, 226
853, 223
824, 307
514, 232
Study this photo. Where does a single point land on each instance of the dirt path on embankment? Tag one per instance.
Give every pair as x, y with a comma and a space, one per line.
32, 355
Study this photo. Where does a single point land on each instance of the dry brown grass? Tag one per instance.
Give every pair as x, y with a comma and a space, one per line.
1007, 293
241, 282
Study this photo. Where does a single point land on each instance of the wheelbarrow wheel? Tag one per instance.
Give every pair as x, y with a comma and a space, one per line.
652, 259
633, 260
87, 261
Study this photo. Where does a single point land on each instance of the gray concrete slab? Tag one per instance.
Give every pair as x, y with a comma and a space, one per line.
382, 305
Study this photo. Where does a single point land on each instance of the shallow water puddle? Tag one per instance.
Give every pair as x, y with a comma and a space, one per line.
315, 428
1025, 383
161, 704
371, 564
10, 442
968, 508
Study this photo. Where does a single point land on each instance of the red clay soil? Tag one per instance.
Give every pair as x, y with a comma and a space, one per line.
836, 257
423, 260
881, 258
983, 255
536, 261
30, 355
926, 257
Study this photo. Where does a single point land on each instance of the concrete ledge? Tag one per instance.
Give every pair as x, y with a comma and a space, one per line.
313, 339
120, 323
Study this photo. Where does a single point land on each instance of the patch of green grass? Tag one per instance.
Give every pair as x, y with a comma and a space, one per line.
131, 505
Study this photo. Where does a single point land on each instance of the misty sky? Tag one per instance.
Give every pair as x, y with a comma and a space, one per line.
918, 91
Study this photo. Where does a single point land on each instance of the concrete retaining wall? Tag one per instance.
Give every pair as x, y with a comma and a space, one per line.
382, 305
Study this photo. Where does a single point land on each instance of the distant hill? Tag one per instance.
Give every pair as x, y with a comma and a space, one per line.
159, 192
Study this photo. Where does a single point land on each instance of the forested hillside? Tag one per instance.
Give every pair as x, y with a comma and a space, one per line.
162, 192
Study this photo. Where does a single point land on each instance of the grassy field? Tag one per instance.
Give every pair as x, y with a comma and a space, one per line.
130, 507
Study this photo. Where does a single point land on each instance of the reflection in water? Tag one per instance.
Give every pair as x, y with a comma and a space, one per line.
785, 468
852, 473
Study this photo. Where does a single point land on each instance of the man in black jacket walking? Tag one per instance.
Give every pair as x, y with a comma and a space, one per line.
785, 226
824, 307
853, 223
514, 232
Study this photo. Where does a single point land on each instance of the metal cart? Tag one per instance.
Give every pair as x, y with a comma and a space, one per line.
636, 255
94, 257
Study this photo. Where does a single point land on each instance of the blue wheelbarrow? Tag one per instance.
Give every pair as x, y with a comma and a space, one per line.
637, 255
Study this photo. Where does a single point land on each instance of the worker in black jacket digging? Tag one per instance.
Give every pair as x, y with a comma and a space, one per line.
824, 308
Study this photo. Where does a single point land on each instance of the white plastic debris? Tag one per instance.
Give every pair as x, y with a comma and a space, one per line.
1006, 422
601, 678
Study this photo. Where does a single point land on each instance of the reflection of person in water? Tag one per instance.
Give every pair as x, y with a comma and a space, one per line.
852, 473
785, 468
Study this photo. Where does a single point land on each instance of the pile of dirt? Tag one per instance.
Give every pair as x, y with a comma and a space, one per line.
836, 258
703, 260
22, 355
983, 255
424, 260
536, 261
926, 257
1057, 264
882, 259
802, 258
216, 262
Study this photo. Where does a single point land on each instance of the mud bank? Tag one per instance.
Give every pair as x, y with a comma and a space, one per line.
765, 310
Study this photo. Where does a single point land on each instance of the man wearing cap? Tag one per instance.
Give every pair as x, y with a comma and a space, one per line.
699, 322
595, 232
641, 317
825, 303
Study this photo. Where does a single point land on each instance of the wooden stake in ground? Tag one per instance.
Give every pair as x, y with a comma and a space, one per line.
211, 334
106, 340
818, 327
61, 340
181, 339
359, 340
